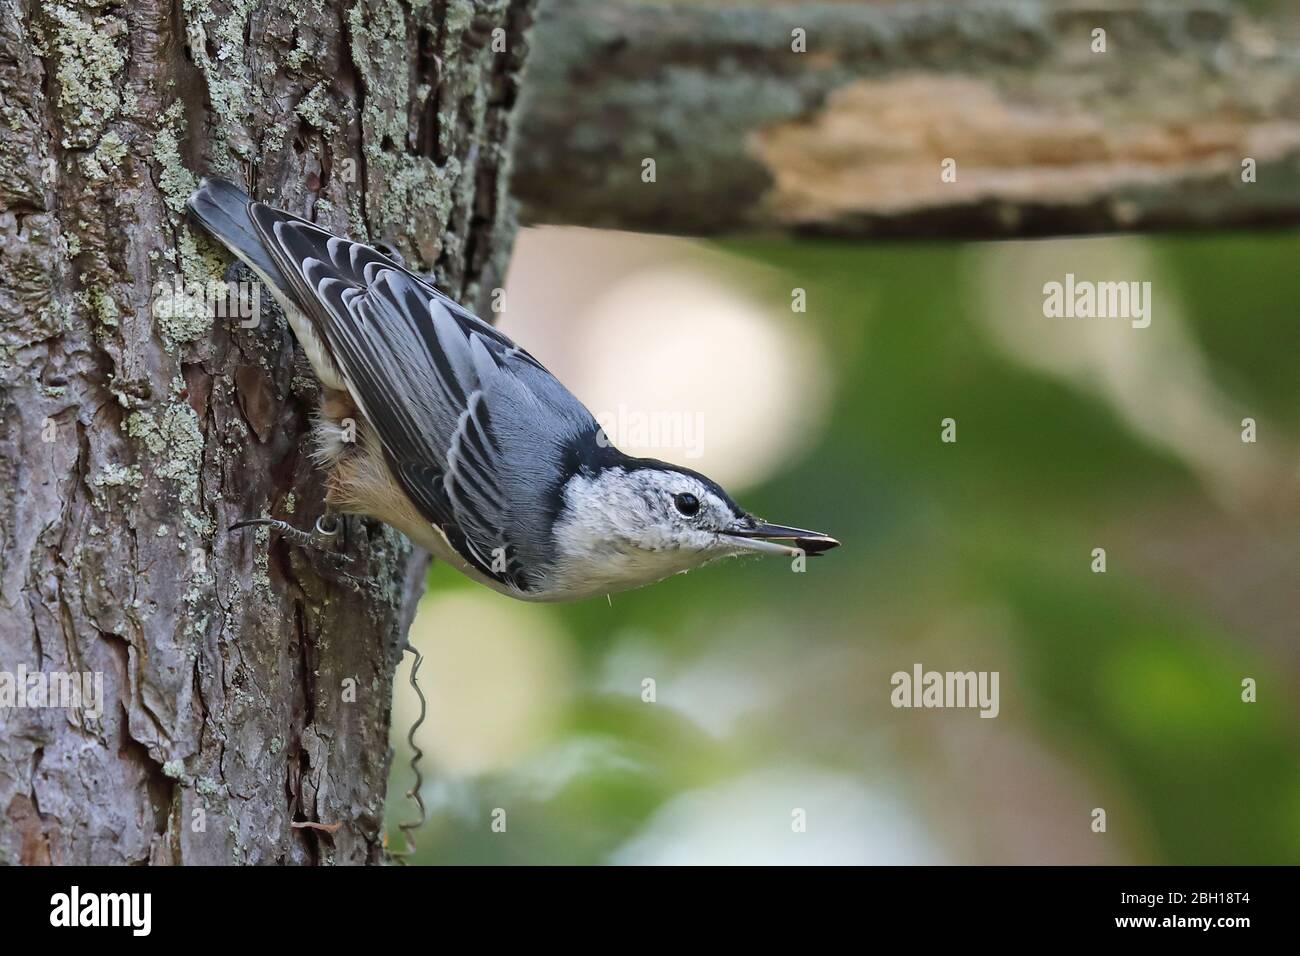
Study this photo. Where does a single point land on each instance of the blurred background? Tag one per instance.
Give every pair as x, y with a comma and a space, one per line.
1119, 690
771, 689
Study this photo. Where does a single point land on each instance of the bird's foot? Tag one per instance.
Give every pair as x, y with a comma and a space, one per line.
318, 539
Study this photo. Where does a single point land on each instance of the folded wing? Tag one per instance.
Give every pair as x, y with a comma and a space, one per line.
473, 427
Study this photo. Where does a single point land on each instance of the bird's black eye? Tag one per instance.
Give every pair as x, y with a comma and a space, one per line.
686, 503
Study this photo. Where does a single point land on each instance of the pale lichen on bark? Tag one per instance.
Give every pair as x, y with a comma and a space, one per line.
224, 656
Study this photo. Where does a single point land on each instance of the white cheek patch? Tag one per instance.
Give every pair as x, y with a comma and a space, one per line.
621, 530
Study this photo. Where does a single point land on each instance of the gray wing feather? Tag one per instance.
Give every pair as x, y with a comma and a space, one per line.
474, 428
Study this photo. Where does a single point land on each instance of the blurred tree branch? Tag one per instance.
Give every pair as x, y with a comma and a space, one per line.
849, 137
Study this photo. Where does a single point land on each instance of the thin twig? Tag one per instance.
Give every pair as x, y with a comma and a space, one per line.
408, 829
312, 825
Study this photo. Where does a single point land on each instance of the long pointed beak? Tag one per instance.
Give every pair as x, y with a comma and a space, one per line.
778, 539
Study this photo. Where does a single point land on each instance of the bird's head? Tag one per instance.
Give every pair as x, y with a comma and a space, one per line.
641, 520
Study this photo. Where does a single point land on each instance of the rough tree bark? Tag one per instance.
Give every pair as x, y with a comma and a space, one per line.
132, 434
847, 138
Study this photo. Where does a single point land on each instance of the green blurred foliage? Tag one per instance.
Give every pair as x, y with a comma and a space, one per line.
1137, 685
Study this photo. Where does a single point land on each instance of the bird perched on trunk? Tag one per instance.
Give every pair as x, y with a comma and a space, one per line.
462, 440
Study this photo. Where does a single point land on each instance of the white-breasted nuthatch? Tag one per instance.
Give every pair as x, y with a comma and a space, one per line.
464, 442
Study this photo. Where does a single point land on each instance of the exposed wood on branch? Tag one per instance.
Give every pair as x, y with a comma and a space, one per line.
849, 137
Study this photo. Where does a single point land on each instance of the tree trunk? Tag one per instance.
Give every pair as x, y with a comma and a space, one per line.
989, 119
247, 684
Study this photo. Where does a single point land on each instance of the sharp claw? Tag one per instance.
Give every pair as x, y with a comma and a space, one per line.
250, 522
302, 538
